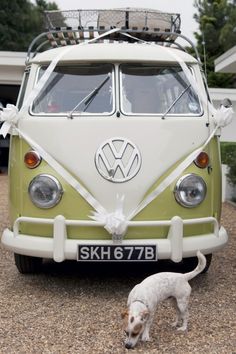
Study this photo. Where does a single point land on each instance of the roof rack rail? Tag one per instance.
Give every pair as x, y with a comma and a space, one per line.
76, 26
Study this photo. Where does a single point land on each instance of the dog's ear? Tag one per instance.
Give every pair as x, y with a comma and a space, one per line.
124, 313
144, 315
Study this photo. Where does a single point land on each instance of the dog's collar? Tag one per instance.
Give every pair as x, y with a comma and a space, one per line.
142, 302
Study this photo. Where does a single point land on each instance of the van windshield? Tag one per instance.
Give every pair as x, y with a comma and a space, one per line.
77, 89
162, 90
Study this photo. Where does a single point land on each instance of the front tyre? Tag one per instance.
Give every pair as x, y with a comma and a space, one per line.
27, 264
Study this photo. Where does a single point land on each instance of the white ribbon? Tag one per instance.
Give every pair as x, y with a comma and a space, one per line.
191, 80
9, 116
63, 172
116, 222
171, 177
223, 116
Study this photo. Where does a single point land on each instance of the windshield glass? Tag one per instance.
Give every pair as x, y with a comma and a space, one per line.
162, 90
77, 90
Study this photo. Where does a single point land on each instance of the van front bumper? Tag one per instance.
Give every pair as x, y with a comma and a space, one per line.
60, 248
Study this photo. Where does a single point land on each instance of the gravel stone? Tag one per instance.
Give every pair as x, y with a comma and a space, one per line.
73, 309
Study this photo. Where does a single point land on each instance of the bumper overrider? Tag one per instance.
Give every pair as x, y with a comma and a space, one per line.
60, 248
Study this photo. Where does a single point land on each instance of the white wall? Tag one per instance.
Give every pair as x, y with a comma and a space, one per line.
217, 95
226, 63
12, 66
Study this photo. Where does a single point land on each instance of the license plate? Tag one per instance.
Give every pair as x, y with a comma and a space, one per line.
117, 253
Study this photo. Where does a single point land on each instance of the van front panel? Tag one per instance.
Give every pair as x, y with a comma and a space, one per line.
119, 129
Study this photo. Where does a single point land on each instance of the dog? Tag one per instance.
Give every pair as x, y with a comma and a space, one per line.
144, 298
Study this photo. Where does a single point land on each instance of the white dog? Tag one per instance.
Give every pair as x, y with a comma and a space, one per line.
144, 297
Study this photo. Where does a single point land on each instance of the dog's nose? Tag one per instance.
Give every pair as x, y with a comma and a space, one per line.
128, 346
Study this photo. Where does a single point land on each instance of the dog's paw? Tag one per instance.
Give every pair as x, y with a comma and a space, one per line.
182, 329
175, 324
145, 337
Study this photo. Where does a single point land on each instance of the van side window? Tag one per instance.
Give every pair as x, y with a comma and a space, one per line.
86, 89
157, 90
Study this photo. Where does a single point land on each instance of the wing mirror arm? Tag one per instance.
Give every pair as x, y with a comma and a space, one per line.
226, 102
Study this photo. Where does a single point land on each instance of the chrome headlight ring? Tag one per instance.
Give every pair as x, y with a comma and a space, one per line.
190, 190
45, 191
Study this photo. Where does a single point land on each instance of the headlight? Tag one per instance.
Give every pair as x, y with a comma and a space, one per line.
45, 191
190, 190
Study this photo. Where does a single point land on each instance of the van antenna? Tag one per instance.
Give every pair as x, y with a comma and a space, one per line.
204, 52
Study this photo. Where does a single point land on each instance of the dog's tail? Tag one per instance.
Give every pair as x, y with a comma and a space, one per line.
200, 267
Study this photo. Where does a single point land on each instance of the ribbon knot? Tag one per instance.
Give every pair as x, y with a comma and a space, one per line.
223, 116
115, 223
9, 115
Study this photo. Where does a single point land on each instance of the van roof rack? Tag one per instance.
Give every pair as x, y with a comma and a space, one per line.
75, 26
126, 18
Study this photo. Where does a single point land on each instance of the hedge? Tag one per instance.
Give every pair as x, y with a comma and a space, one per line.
228, 157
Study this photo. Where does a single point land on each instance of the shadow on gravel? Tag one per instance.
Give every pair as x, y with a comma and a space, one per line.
109, 269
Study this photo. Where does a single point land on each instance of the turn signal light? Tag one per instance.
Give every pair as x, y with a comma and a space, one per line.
202, 160
32, 159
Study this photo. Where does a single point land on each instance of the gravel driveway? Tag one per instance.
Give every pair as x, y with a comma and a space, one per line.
69, 309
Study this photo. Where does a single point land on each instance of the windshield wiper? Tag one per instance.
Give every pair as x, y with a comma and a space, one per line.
88, 99
175, 101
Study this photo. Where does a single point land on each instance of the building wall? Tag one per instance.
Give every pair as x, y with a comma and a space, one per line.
217, 95
12, 66
226, 63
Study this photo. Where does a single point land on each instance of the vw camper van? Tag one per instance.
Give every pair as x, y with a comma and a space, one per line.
114, 153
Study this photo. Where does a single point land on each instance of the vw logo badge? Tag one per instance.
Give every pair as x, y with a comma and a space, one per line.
118, 160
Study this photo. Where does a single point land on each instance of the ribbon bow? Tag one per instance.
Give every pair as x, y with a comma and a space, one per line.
115, 223
9, 116
223, 116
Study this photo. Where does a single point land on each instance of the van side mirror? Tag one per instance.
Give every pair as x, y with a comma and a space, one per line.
226, 102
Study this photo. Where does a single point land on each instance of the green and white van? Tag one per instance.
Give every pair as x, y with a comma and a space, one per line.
114, 153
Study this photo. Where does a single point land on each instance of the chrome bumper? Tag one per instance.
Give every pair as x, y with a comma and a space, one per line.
59, 247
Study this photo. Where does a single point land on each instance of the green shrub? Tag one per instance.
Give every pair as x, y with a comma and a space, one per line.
228, 157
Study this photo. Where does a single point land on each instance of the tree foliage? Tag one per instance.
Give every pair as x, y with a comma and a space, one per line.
20, 22
217, 30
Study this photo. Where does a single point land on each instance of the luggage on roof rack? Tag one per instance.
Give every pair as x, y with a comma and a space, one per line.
127, 18
75, 26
